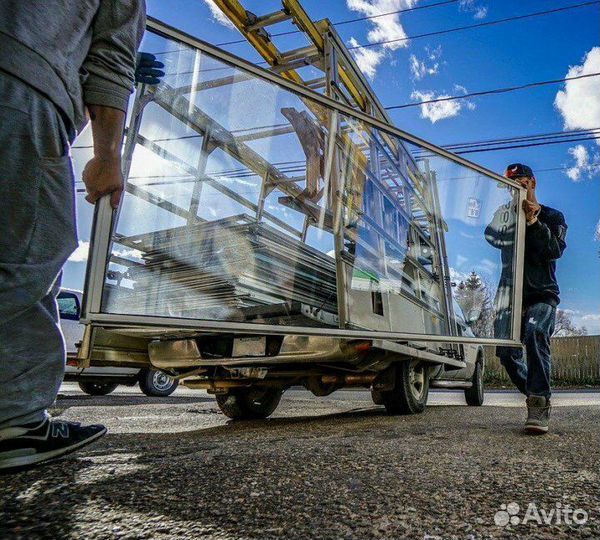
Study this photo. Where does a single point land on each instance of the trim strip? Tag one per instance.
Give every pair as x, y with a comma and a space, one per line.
131, 321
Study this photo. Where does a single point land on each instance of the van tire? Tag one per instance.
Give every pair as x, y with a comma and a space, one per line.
476, 394
411, 390
249, 403
93, 388
155, 383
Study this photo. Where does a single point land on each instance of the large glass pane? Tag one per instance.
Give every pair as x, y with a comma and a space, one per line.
429, 248
248, 203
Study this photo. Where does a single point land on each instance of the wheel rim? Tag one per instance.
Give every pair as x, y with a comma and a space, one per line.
161, 381
416, 379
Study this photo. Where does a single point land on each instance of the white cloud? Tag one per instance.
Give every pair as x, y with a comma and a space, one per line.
81, 253
386, 28
367, 59
128, 253
592, 323
472, 6
597, 233
433, 54
441, 109
421, 68
218, 15
579, 102
584, 165
480, 13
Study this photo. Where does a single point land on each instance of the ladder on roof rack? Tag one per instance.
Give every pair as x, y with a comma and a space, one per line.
342, 79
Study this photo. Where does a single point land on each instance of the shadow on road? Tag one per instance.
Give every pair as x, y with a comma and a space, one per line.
358, 473
116, 400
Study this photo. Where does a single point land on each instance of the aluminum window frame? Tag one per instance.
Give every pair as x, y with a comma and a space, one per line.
104, 223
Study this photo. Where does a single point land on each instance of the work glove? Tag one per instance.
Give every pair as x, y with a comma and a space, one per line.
148, 69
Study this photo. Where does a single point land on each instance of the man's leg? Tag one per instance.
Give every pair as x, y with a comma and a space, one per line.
512, 360
37, 234
32, 351
539, 326
37, 224
510, 357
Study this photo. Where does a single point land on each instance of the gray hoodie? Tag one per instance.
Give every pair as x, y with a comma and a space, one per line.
76, 52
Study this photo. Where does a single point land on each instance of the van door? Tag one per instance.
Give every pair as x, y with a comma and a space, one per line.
69, 308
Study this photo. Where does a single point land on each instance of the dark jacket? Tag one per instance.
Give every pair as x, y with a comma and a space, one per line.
544, 244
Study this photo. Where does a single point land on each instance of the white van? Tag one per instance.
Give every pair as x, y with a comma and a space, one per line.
99, 381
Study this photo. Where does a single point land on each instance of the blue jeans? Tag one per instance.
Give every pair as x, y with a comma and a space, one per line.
533, 377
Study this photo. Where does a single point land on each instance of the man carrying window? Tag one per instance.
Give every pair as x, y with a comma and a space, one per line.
544, 244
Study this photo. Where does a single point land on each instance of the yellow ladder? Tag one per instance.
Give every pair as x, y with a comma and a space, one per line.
326, 51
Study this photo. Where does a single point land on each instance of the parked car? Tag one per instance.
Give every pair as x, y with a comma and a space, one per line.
99, 381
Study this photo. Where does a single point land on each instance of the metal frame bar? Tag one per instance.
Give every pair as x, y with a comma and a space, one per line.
104, 223
100, 239
518, 265
138, 321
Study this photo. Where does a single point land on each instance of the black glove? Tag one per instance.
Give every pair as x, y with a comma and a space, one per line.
148, 69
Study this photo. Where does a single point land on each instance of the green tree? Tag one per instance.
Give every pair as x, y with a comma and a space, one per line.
474, 297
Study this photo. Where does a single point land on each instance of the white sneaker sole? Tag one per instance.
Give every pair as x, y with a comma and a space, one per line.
34, 459
536, 429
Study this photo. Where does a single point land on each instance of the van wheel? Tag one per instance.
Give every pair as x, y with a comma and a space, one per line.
475, 395
155, 383
411, 391
249, 403
97, 388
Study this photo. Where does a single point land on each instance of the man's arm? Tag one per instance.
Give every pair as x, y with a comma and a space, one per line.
102, 174
110, 65
110, 62
547, 240
501, 230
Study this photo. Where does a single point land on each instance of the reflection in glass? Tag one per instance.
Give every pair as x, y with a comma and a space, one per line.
248, 203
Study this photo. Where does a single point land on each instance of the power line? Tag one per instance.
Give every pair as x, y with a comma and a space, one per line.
478, 148
406, 10
514, 138
493, 91
349, 21
555, 138
477, 25
528, 145
428, 34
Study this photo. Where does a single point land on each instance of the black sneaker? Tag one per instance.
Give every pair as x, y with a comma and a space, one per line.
29, 444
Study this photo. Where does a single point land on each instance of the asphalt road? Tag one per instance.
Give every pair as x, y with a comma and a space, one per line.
335, 467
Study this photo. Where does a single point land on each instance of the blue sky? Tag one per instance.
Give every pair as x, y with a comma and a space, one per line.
508, 54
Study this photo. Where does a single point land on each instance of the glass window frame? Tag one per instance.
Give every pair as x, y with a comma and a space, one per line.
105, 219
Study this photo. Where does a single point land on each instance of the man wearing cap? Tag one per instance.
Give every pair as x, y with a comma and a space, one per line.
544, 244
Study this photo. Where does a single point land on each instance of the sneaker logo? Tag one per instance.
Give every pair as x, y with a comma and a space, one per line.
60, 429
532, 321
